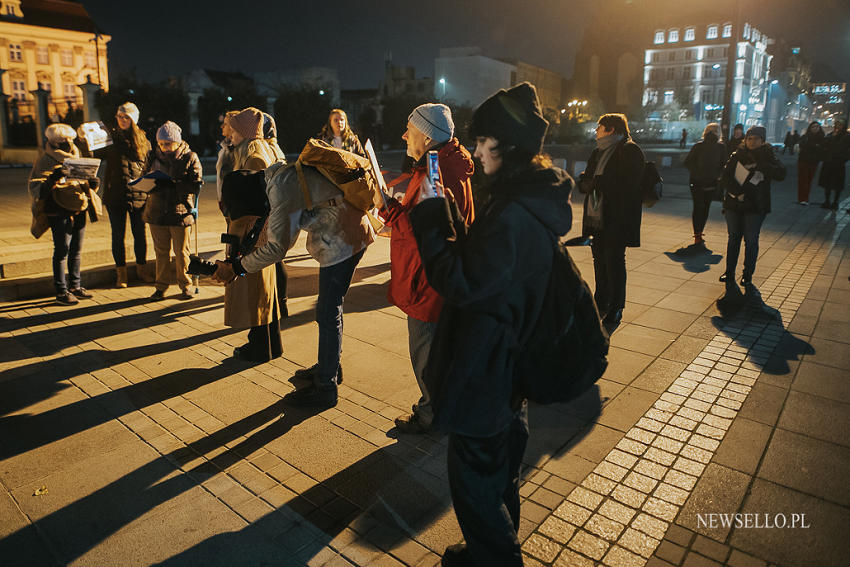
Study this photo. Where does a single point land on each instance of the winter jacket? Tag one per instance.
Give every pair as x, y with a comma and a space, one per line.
705, 162
349, 143
170, 202
335, 229
812, 147
493, 277
48, 161
253, 154
250, 301
756, 198
122, 166
621, 193
733, 144
836, 154
409, 289
223, 165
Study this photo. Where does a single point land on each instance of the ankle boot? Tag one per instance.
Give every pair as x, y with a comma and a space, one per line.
698, 239
121, 276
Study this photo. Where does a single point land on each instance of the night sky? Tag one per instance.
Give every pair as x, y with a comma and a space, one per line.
161, 38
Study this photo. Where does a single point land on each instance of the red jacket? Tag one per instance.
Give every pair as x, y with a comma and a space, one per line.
409, 289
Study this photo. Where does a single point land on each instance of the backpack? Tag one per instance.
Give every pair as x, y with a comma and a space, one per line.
651, 184
567, 350
348, 171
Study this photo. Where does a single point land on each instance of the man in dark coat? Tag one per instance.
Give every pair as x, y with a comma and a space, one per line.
836, 154
493, 277
705, 164
612, 182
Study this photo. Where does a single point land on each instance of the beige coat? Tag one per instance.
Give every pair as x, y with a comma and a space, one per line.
250, 300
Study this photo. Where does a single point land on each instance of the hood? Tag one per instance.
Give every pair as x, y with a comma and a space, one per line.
546, 193
455, 160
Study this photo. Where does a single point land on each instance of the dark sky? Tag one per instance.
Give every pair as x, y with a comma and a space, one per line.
160, 38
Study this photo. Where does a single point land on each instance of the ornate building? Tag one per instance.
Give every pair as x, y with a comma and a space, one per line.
53, 45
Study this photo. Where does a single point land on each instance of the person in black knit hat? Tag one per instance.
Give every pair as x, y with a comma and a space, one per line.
493, 276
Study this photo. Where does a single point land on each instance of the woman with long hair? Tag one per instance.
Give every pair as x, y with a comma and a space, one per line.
811, 153
337, 132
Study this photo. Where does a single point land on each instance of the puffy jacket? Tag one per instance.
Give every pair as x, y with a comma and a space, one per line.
705, 161
756, 198
123, 166
170, 203
409, 289
812, 146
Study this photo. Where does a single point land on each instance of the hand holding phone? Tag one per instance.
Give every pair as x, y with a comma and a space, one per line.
432, 185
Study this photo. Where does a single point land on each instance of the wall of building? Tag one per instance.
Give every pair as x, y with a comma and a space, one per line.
469, 79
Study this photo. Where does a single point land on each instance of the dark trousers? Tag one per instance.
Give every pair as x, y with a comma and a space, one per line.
609, 268
702, 204
68, 235
264, 341
334, 282
282, 279
118, 224
748, 227
805, 174
484, 483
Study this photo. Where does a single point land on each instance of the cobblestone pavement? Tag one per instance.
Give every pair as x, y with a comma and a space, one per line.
128, 435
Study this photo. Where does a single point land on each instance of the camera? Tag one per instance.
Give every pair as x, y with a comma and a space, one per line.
200, 267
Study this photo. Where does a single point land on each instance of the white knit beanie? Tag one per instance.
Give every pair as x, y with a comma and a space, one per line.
55, 133
130, 110
170, 132
433, 120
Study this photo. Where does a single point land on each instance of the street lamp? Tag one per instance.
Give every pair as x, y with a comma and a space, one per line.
443, 83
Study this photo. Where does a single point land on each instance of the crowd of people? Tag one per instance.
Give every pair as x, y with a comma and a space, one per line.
457, 271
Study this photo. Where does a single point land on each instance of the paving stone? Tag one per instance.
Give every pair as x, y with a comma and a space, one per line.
695, 560
588, 544
619, 557
598, 484
671, 552
571, 559
541, 548
659, 375
573, 513
710, 548
719, 490
817, 417
557, 529
743, 446
739, 559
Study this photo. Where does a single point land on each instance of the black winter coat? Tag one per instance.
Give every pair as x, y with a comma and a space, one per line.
170, 202
705, 162
493, 276
811, 147
836, 154
123, 166
756, 197
621, 192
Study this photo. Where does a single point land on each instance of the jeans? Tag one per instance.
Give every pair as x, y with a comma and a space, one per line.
702, 204
334, 282
166, 238
748, 226
419, 337
118, 224
68, 235
609, 268
484, 484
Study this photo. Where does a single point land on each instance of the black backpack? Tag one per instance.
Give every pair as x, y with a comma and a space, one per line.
651, 184
567, 350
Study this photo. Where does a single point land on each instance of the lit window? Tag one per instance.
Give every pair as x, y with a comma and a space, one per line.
739, 69
668, 97
42, 55
673, 36
756, 35
712, 32
90, 61
19, 90
66, 56
659, 37
742, 50
70, 91
690, 34
10, 10
689, 55
727, 30
671, 73
746, 31
671, 56
15, 52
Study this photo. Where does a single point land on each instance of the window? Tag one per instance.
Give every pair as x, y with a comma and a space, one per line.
739, 69
690, 34
19, 90
746, 31
673, 36
686, 72
668, 97
66, 56
727, 30
756, 35
70, 91
712, 32
671, 73
10, 10
42, 55
689, 55
656, 57
671, 56
90, 60
15, 52
709, 54
659, 37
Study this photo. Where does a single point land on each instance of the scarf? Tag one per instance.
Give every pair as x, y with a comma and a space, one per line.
606, 145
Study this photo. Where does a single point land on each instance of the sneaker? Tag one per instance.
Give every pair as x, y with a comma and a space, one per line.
725, 278
185, 296
158, 295
82, 293
746, 279
803, 203
66, 298
411, 424
308, 374
312, 397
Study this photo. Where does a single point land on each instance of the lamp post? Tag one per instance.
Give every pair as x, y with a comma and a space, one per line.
443, 83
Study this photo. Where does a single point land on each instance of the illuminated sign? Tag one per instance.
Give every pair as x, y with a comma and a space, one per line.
829, 88
795, 50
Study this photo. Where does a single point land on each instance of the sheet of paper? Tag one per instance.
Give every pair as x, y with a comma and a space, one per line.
96, 135
81, 168
741, 174
373, 159
147, 182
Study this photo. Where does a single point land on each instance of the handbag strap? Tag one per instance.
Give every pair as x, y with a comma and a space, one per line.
308, 201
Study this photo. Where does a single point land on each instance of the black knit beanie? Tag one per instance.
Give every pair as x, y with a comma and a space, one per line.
513, 117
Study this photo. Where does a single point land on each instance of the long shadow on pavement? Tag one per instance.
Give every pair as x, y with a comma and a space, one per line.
61, 313
695, 258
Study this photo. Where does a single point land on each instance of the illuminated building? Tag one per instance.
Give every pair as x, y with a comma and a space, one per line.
829, 101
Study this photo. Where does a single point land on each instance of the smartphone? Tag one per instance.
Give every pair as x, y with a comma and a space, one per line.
434, 170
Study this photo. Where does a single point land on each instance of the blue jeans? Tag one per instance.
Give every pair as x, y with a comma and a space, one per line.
68, 235
333, 285
118, 223
748, 226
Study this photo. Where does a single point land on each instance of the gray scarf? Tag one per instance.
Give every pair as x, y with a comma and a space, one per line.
606, 145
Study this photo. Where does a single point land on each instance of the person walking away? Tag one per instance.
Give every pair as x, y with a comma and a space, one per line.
788, 143
736, 140
64, 202
811, 153
836, 154
795, 139
337, 132
493, 277
747, 204
169, 205
429, 127
705, 163
612, 180
683, 141
125, 161
250, 301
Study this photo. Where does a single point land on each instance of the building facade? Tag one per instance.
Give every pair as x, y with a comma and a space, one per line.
829, 101
53, 45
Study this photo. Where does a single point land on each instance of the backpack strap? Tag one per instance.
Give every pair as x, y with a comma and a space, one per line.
308, 201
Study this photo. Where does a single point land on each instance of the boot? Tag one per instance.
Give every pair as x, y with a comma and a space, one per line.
699, 240
121, 276
143, 274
